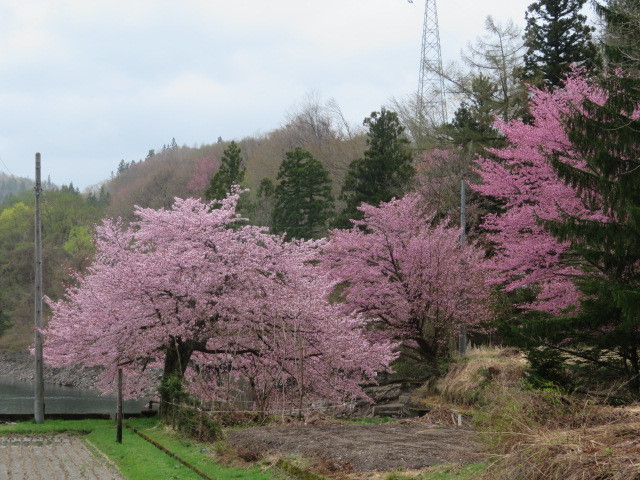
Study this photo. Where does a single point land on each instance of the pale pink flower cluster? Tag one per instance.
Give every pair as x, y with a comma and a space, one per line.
415, 278
230, 294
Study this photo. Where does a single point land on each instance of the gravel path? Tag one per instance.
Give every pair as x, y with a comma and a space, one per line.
51, 458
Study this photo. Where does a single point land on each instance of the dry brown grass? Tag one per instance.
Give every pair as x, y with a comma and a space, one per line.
469, 378
603, 452
539, 434
511, 415
544, 434
442, 414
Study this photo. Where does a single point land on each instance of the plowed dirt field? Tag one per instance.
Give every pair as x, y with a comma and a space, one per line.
58, 457
363, 448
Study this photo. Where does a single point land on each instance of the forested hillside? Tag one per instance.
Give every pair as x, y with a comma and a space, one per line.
180, 171
12, 185
67, 226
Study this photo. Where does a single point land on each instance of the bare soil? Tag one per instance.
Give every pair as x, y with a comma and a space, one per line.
52, 458
411, 445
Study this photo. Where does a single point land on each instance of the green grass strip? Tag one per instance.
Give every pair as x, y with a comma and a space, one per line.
196, 453
170, 453
136, 458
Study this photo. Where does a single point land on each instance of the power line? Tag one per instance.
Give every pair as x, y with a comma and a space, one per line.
6, 168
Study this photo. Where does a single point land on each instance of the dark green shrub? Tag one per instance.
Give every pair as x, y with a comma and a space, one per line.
197, 424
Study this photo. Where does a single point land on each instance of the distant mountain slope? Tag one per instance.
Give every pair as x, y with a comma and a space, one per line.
181, 171
12, 185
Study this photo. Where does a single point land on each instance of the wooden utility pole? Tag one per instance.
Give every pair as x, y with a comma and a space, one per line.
38, 408
119, 408
463, 213
462, 336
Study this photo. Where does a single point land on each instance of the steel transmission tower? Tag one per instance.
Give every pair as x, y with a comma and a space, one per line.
431, 96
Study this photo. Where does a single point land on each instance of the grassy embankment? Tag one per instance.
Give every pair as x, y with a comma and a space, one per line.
537, 433
443, 472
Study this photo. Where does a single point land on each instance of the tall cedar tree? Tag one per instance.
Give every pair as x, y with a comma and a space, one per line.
557, 36
384, 171
231, 172
303, 201
605, 135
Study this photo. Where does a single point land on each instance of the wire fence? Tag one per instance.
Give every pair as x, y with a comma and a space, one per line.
272, 411
204, 422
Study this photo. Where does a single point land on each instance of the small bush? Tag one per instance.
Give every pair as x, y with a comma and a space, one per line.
249, 453
182, 412
197, 424
296, 471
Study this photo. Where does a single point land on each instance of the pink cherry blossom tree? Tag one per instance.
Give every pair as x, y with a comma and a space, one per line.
202, 172
439, 173
411, 275
190, 289
521, 177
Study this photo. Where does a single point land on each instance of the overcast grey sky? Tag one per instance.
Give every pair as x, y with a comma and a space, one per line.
90, 82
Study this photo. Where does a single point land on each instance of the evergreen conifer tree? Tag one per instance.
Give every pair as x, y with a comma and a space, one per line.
231, 172
303, 200
260, 210
384, 171
557, 36
472, 122
605, 136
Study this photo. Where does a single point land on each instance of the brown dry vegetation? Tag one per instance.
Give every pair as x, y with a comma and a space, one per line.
467, 379
533, 434
156, 181
610, 451
541, 434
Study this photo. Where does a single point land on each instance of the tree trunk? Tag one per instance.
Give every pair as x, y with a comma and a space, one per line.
178, 354
634, 383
